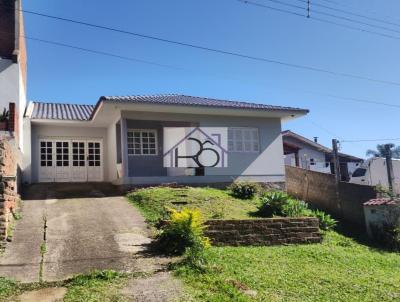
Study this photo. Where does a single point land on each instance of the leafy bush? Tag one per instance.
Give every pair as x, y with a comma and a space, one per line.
326, 222
244, 190
296, 208
184, 233
281, 204
273, 204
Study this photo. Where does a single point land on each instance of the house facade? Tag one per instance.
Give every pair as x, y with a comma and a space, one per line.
307, 154
121, 140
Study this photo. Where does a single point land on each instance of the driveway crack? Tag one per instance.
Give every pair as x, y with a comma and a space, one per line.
43, 248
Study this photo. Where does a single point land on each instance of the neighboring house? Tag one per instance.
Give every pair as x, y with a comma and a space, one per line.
120, 139
307, 154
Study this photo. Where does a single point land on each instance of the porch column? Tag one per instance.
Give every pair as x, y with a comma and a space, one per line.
124, 147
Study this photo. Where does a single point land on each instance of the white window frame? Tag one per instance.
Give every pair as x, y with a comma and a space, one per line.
154, 131
252, 141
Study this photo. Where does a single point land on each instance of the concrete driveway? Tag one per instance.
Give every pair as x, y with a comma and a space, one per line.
88, 226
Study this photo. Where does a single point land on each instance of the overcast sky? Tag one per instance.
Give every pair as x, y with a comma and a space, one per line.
60, 74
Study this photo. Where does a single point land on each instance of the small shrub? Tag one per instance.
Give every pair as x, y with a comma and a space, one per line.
326, 222
295, 208
273, 203
244, 190
184, 232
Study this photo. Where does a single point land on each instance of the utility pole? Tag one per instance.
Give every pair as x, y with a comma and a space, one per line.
336, 163
389, 166
308, 8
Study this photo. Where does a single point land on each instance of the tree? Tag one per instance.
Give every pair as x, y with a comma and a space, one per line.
380, 151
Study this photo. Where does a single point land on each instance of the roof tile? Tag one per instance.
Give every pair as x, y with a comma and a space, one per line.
68, 112
175, 99
74, 112
381, 201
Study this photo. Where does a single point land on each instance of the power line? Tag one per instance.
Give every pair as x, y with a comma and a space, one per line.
320, 19
331, 15
359, 100
370, 140
220, 51
99, 52
177, 68
323, 129
351, 13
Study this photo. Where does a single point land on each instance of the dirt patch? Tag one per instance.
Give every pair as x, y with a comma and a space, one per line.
160, 287
54, 294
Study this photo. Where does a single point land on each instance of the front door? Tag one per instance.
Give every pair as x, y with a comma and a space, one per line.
94, 160
79, 166
63, 167
46, 161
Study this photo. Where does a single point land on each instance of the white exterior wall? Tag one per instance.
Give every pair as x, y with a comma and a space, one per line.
12, 90
9, 83
306, 153
378, 215
266, 165
21, 105
75, 130
27, 154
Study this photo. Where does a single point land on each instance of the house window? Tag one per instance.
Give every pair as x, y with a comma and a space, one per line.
243, 140
142, 142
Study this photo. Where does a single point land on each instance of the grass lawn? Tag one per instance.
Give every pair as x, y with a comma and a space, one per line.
93, 287
213, 203
339, 269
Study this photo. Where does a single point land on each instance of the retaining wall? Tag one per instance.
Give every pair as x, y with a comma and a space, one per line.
9, 198
270, 231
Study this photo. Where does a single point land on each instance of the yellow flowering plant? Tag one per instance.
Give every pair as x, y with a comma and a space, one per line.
185, 230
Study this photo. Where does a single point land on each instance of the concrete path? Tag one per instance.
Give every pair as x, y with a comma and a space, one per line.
88, 226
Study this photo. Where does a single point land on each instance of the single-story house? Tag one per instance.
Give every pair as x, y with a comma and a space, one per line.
309, 154
120, 140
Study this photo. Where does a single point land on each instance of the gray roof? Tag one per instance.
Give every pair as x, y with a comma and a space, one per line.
317, 146
185, 100
75, 112
54, 111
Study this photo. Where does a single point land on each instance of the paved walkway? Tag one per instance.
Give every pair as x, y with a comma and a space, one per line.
88, 226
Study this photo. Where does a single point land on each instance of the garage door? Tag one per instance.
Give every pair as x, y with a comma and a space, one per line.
70, 160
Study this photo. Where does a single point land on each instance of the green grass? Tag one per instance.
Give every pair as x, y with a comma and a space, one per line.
96, 286
213, 203
339, 269
8, 288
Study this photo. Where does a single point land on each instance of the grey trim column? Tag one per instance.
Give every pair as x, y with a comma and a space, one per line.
124, 147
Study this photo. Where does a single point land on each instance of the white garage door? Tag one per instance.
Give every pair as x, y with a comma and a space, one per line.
70, 160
